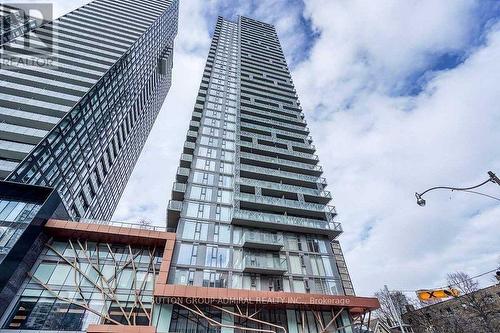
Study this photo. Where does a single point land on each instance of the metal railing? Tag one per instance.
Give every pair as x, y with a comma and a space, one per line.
179, 187
146, 225
284, 174
278, 140
279, 150
277, 160
304, 129
274, 130
174, 205
261, 262
259, 199
287, 220
262, 237
183, 171
284, 187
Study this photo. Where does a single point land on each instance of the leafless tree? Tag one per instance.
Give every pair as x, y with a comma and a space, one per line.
475, 311
474, 303
386, 311
145, 224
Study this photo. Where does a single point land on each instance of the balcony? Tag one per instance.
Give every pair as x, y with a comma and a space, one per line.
282, 205
288, 128
252, 105
182, 175
194, 125
291, 154
289, 118
286, 223
278, 140
191, 136
196, 116
189, 147
277, 175
284, 164
246, 126
264, 264
262, 240
314, 195
280, 91
174, 209
186, 160
178, 191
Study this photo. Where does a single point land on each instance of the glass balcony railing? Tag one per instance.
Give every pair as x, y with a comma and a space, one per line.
178, 191
262, 240
182, 174
291, 110
174, 209
283, 92
285, 222
259, 199
266, 115
179, 187
189, 147
300, 129
285, 187
186, 160
264, 264
284, 174
274, 130
278, 140
298, 165
279, 150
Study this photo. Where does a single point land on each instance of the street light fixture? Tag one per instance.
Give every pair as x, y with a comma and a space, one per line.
492, 178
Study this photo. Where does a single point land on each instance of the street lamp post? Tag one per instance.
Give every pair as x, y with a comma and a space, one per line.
491, 178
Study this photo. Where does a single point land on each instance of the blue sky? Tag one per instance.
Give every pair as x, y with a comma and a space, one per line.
399, 96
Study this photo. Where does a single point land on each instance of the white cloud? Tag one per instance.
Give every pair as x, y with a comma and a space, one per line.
376, 148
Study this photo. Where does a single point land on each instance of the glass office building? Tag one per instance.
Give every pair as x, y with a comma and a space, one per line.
79, 95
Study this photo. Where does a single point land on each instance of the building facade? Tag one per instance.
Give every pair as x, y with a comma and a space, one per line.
102, 277
249, 203
250, 242
90, 275
79, 95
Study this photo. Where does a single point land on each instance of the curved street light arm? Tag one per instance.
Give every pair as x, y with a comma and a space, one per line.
456, 188
493, 178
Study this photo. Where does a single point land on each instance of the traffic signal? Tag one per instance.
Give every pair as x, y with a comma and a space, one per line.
427, 295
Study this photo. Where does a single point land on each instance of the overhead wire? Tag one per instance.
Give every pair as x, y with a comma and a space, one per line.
453, 284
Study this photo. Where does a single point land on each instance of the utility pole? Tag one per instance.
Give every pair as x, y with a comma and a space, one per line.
393, 309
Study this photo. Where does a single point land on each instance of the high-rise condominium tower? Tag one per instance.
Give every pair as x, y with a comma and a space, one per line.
78, 97
254, 247
249, 203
